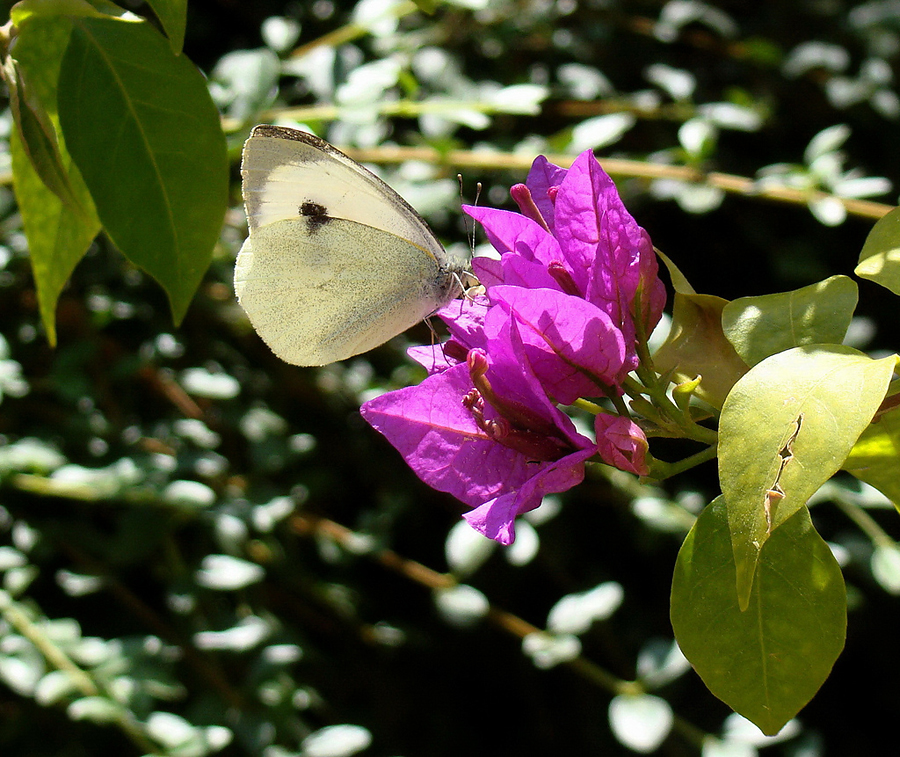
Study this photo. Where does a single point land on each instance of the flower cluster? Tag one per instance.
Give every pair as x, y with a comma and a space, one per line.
574, 290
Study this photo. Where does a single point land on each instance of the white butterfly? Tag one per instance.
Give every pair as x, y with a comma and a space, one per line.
336, 262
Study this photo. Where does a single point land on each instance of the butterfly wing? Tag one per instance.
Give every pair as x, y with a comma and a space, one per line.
321, 292
284, 169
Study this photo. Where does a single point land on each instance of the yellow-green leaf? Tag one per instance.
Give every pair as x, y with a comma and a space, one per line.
58, 213
879, 259
875, 458
38, 137
679, 281
786, 427
27, 11
57, 236
768, 661
815, 314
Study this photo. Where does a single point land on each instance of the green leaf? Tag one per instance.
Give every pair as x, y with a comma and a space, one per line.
58, 237
141, 126
786, 427
172, 14
696, 345
875, 458
879, 260
57, 210
766, 662
816, 314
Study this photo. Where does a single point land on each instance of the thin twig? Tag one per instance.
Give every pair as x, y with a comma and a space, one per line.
739, 185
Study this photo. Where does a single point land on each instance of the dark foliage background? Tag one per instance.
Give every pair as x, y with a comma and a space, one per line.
98, 436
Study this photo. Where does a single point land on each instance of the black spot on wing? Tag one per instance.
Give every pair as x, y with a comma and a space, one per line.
316, 215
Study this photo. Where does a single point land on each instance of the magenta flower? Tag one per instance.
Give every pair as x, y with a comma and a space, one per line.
573, 291
485, 432
576, 236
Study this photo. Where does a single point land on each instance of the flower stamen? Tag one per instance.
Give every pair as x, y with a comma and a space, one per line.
522, 197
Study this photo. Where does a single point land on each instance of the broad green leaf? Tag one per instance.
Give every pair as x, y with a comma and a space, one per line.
765, 662
816, 314
57, 210
141, 126
786, 427
172, 14
879, 259
875, 458
696, 345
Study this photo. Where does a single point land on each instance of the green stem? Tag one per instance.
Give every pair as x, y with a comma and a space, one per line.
594, 673
652, 388
645, 361
661, 470
619, 404
52, 653
591, 407
399, 109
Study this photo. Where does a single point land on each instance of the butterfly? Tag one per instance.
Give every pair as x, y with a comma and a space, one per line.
336, 262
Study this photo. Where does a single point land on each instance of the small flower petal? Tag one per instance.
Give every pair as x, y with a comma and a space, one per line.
465, 320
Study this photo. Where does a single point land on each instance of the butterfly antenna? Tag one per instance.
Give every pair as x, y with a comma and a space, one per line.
466, 222
478, 188
471, 280
470, 227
